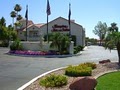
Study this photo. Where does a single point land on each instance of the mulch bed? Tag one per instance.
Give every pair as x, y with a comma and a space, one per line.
100, 69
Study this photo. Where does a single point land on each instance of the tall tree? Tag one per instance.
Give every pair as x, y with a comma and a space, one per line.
12, 33
100, 29
6, 33
2, 21
13, 15
17, 8
2, 25
19, 17
113, 27
113, 39
17, 25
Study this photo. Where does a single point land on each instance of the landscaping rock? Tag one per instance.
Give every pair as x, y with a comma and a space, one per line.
83, 83
104, 61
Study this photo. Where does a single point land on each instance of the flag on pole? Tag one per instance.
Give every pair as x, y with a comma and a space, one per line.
26, 14
48, 13
69, 15
48, 8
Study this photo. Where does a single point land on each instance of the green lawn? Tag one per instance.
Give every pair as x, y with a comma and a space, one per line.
110, 81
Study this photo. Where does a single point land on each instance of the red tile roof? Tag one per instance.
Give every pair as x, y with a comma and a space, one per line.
39, 25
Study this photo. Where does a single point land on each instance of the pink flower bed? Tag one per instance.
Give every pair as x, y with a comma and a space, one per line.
20, 52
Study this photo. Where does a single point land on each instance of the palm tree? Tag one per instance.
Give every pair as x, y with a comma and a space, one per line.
60, 41
17, 8
13, 15
17, 25
113, 39
55, 38
19, 17
113, 27
2, 21
65, 43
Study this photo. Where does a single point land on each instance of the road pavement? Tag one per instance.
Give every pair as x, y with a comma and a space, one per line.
18, 70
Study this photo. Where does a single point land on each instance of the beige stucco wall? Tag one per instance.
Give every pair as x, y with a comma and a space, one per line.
75, 30
32, 38
21, 35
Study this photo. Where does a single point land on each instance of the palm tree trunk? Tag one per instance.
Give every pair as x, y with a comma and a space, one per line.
118, 50
13, 22
16, 16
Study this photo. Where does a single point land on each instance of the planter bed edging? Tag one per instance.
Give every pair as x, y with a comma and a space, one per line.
47, 56
36, 78
97, 76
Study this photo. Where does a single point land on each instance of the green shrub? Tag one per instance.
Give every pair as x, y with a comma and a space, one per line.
16, 45
89, 64
74, 39
78, 49
53, 81
65, 52
80, 70
4, 44
75, 50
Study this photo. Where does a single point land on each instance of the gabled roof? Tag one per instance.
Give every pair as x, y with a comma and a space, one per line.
29, 21
63, 19
36, 25
39, 25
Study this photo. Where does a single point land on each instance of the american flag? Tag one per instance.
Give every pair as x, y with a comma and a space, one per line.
69, 13
26, 14
48, 8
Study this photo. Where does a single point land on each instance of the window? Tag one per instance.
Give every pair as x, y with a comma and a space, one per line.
33, 33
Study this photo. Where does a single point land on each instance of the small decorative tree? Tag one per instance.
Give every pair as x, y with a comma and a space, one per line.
60, 41
113, 39
100, 29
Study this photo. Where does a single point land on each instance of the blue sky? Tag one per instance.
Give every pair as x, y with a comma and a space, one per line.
85, 12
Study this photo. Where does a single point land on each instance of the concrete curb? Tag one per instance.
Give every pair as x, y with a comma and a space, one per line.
101, 74
47, 56
36, 78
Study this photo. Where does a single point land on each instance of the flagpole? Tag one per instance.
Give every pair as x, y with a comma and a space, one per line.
26, 16
48, 13
26, 30
47, 29
69, 20
70, 30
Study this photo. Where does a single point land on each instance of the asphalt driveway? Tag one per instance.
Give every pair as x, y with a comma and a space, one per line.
16, 71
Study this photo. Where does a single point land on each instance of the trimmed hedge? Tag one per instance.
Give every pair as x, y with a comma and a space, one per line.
81, 70
53, 81
84, 69
89, 64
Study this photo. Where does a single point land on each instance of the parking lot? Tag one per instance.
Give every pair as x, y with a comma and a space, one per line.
16, 70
